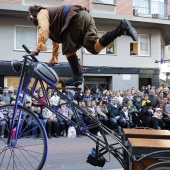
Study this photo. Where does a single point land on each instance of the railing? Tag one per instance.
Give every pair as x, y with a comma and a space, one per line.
153, 9
105, 1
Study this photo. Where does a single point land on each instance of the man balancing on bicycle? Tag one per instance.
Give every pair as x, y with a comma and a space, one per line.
74, 27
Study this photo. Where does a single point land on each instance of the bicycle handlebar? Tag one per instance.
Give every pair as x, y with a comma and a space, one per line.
26, 49
29, 52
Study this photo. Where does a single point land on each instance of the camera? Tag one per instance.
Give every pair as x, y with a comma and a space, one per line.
104, 102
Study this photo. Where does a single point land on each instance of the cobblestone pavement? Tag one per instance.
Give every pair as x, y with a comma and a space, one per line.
71, 154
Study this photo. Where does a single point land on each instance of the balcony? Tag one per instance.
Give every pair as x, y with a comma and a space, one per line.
151, 9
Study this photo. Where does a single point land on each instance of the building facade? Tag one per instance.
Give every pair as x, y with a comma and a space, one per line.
128, 64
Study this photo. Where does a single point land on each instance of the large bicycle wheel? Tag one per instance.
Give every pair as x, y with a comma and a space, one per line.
28, 149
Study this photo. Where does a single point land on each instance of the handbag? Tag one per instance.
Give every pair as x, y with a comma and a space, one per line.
71, 132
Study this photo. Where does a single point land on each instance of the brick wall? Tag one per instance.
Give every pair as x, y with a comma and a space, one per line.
11, 1
85, 3
124, 7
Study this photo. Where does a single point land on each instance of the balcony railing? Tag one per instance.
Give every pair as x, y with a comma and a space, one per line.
154, 9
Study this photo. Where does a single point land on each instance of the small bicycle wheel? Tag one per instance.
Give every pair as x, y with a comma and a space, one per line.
26, 149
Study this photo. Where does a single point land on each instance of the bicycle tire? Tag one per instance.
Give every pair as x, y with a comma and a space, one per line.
24, 151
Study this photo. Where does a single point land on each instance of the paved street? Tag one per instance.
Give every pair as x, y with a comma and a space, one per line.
71, 153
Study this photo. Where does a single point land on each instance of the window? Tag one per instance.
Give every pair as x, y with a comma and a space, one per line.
153, 8
105, 1
142, 47
27, 35
110, 49
141, 6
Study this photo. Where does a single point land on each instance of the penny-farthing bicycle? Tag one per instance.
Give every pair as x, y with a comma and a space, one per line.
19, 149
23, 149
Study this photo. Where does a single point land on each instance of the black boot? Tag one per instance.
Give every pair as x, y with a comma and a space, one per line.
77, 78
125, 28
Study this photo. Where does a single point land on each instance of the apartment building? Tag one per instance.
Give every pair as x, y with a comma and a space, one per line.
129, 64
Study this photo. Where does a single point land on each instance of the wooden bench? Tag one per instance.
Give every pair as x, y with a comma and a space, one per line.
140, 147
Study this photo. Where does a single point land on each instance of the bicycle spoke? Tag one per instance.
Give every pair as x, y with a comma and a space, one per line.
17, 158
21, 147
3, 155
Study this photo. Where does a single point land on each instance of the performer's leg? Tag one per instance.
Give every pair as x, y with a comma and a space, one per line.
77, 78
124, 28
55, 53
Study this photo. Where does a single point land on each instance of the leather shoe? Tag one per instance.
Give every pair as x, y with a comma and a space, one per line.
127, 29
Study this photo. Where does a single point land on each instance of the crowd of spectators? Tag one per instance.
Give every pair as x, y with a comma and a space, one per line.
149, 108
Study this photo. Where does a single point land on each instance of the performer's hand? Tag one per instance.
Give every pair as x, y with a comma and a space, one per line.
35, 52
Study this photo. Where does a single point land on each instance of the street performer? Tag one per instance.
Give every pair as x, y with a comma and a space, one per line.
73, 27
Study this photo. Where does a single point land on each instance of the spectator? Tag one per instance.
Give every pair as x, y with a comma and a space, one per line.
154, 99
5, 96
138, 103
167, 110
133, 93
137, 94
69, 94
80, 115
145, 99
87, 97
67, 113
125, 115
146, 116
106, 95
157, 115
147, 89
131, 107
55, 99
42, 98
119, 98
2, 121
92, 112
102, 113
79, 95
37, 111
165, 92
127, 97
80, 118
52, 124
97, 95
161, 96
113, 113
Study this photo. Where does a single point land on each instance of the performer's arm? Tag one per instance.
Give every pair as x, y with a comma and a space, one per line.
43, 29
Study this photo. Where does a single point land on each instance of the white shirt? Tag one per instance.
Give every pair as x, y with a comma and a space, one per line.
55, 100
